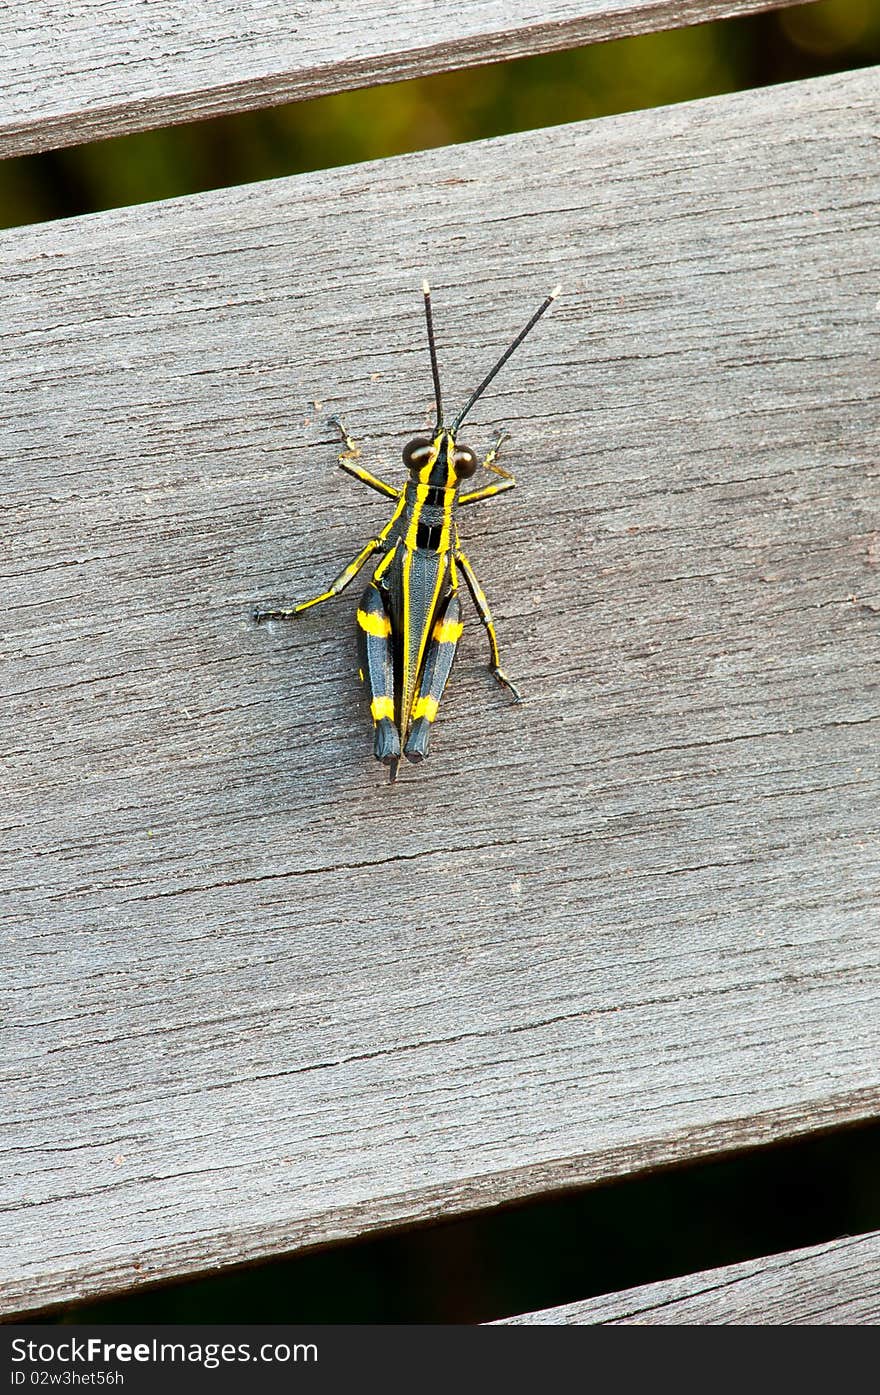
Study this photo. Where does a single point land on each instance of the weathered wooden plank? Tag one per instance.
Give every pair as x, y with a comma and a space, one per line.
77, 70
254, 998
836, 1284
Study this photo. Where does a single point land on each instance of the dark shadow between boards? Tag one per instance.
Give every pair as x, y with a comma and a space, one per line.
549, 1251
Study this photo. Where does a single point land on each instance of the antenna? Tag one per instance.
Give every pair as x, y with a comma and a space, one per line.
478, 392
426, 291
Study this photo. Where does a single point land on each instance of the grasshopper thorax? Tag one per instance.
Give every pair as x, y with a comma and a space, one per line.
437, 460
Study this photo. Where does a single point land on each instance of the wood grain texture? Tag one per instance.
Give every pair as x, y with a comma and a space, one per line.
254, 998
836, 1284
78, 70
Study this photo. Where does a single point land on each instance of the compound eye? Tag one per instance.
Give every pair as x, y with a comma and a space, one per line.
465, 462
416, 452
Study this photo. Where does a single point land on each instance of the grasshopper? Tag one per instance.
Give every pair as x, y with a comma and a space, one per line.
409, 618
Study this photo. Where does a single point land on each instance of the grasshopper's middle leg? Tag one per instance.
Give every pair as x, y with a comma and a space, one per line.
442, 645
377, 671
339, 583
485, 614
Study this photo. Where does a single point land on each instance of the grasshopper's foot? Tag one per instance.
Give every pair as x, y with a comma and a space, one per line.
502, 679
499, 441
352, 450
261, 616
491, 461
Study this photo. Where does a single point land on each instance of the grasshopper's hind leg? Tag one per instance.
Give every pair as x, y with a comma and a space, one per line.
445, 634
377, 671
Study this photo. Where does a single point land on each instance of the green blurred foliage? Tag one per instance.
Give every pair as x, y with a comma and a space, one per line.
628, 74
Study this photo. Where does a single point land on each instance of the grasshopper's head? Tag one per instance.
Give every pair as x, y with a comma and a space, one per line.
438, 461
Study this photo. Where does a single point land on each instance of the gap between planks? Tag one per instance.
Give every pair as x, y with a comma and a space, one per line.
836, 1284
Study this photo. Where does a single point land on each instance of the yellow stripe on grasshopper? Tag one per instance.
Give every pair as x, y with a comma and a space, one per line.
425, 707
374, 624
381, 707
447, 631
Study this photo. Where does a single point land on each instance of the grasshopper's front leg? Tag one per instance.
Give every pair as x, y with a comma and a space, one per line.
505, 482
350, 455
338, 584
485, 614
